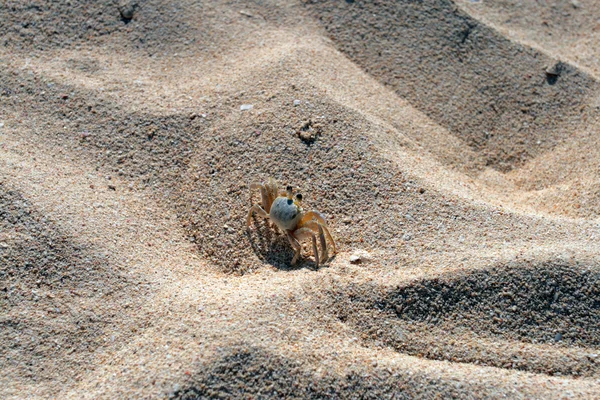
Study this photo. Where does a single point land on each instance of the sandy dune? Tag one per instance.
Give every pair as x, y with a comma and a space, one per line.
453, 145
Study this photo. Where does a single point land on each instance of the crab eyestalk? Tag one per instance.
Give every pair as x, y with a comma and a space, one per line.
289, 191
299, 198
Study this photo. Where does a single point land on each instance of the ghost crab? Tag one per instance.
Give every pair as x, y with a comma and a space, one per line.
285, 211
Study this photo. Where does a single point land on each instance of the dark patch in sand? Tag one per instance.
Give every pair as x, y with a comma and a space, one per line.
254, 373
52, 296
476, 317
151, 26
486, 90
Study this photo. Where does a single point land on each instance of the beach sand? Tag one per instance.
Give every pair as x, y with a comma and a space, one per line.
452, 145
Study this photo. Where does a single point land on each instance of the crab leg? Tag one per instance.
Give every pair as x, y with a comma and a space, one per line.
318, 228
320, 218
304, 233
326, 229
264, 195
324, 254
258, 210
271, 188
310, 215
295, 245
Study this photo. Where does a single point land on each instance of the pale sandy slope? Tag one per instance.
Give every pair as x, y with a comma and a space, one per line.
440, 147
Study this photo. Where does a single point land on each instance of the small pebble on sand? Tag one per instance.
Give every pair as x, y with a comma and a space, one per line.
127, 9
354, 259
359, 256
554, 69
558, 337
245, 107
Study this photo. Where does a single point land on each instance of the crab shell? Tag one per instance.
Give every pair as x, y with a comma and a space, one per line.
285, 213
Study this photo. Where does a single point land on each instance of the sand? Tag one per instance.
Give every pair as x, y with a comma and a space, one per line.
452, 146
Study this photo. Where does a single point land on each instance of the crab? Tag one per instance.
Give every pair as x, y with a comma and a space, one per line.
285, 211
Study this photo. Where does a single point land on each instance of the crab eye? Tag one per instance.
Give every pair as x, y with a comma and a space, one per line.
299, 196
289, 188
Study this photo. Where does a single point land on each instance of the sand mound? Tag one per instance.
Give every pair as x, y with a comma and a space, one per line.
549, 309
55, 309
513, 105
508, 102
565, 29
273, 376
